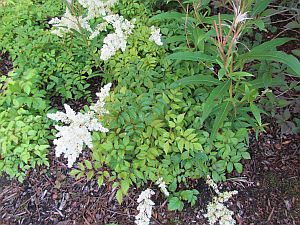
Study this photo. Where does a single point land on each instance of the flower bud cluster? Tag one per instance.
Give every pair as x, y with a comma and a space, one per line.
162, 185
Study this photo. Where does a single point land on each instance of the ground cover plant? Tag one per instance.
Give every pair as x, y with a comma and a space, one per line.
153, 95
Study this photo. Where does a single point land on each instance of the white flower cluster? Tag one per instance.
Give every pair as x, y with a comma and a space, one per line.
216, 210
97, 8
117, 40
144, 207
69, 22
77, 132
99, 106
162, 185
100, 27
156, 36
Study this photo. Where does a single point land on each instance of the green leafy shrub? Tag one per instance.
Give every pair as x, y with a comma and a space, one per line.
25, 130
25, 143
155, 127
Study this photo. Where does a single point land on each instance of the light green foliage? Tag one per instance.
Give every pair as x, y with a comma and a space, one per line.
23, 143
24, 129
63, 65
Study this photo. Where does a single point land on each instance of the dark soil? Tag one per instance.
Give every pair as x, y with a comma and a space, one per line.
5, 64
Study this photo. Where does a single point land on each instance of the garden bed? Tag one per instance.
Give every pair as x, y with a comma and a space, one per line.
268, 184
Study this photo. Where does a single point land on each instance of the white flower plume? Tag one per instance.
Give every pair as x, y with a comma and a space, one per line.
67, 23
162, 185
156, 36
144, 207
216, 210
76, 132
117, 40
97, 8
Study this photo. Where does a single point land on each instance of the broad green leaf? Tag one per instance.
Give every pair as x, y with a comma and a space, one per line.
238, 167
260, 6
229, 167
90, 175
220, 118
216, 93
199, 79
119, 196
175, 204
100, 180
256, 113
88, 164
246, 155
191, 56
180, 118
74, 172
167, 147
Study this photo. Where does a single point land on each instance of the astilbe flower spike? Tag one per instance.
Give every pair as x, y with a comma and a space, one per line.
144, 207
78, 127
216, 210
156, 36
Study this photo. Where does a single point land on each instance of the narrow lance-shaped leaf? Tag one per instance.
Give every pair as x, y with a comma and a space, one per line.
217, 93
197, 80
256, 113
191, 56
269, 45
260, 6
220, 118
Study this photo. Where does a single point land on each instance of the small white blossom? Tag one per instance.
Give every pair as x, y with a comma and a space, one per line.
162, 185
144, 207
239, 17
156, 36
77, 129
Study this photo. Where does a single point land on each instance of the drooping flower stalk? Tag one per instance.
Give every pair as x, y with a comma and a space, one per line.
144, 207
